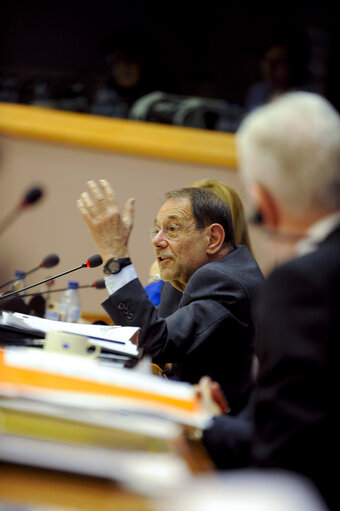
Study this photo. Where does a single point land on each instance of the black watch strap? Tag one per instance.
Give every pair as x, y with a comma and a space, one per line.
115, 264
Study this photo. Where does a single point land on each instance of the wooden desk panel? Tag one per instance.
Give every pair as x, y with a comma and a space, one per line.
49, 489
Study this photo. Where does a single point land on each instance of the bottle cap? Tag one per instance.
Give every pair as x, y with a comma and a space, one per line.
73, 284
19, 274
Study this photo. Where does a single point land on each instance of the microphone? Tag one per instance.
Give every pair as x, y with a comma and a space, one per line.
98, 284
92, 262
48, 262
31, 197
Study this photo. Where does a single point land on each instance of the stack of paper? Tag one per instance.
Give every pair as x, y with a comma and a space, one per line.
30, 371
57, 409
116, 339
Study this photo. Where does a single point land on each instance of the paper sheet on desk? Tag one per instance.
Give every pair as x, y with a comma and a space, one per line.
115, 338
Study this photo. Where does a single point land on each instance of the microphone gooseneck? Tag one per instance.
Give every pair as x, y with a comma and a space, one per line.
92, 262
48, 262
98, 284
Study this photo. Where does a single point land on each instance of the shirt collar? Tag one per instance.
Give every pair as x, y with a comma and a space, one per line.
317, 233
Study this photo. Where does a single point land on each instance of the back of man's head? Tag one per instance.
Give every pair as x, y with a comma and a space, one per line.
207, 208
291, 146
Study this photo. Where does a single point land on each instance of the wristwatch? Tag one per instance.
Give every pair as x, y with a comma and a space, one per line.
114, 265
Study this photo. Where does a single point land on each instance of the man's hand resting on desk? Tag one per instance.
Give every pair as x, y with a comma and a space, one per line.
213, 400
109, 230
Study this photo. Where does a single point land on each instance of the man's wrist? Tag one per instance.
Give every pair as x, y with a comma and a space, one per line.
114, 253
115, 264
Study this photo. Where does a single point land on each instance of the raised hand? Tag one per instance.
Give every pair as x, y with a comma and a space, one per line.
109, 230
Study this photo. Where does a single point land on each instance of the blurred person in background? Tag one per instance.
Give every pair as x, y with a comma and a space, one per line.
154, 285
283, 66
128, 75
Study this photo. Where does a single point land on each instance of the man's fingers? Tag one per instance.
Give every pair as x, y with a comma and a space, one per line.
212, 397
205, 382
83, 211
96, 197
109, 194
88, 204
219, 397
129, 213
81, 207
203, 389
110, 232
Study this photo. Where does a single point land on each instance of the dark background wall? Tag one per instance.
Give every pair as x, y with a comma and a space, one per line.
208, 49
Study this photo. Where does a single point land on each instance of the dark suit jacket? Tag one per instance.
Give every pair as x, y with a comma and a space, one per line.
169, 300
212, 331
295, 425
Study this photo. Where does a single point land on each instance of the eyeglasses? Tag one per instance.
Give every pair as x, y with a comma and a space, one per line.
172, 231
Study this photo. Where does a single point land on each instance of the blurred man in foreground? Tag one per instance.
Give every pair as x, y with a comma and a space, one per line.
289, 155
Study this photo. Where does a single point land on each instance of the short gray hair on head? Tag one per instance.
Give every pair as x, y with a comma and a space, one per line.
207, 208
292, 147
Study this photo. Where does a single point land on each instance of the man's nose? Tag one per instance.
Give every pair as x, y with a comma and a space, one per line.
159, 239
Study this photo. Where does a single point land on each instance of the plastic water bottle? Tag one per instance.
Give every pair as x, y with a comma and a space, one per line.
51, 305
69, 303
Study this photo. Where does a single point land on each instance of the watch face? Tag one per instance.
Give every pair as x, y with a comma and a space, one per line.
113, 266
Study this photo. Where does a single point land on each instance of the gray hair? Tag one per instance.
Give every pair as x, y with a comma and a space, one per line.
292, 147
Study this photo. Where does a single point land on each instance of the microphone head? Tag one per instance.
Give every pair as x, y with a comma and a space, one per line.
32, 196
49, 261
99, 284
94, 261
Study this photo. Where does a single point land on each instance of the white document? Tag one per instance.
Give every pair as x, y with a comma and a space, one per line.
113, 338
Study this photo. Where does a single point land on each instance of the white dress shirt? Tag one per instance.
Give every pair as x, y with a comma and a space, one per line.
317, 233
115, 282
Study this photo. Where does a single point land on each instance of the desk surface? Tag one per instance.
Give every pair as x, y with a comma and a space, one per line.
39, 488
46, 489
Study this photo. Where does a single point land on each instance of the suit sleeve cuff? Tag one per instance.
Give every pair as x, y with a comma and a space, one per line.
115, 282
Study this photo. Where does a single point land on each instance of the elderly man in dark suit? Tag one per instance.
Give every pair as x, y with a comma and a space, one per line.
211, 332
289, 153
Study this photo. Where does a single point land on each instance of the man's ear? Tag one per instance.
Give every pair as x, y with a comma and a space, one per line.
266, 205
216, 235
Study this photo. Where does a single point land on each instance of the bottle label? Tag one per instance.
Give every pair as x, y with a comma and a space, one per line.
52, 314
71, 315
69, 306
